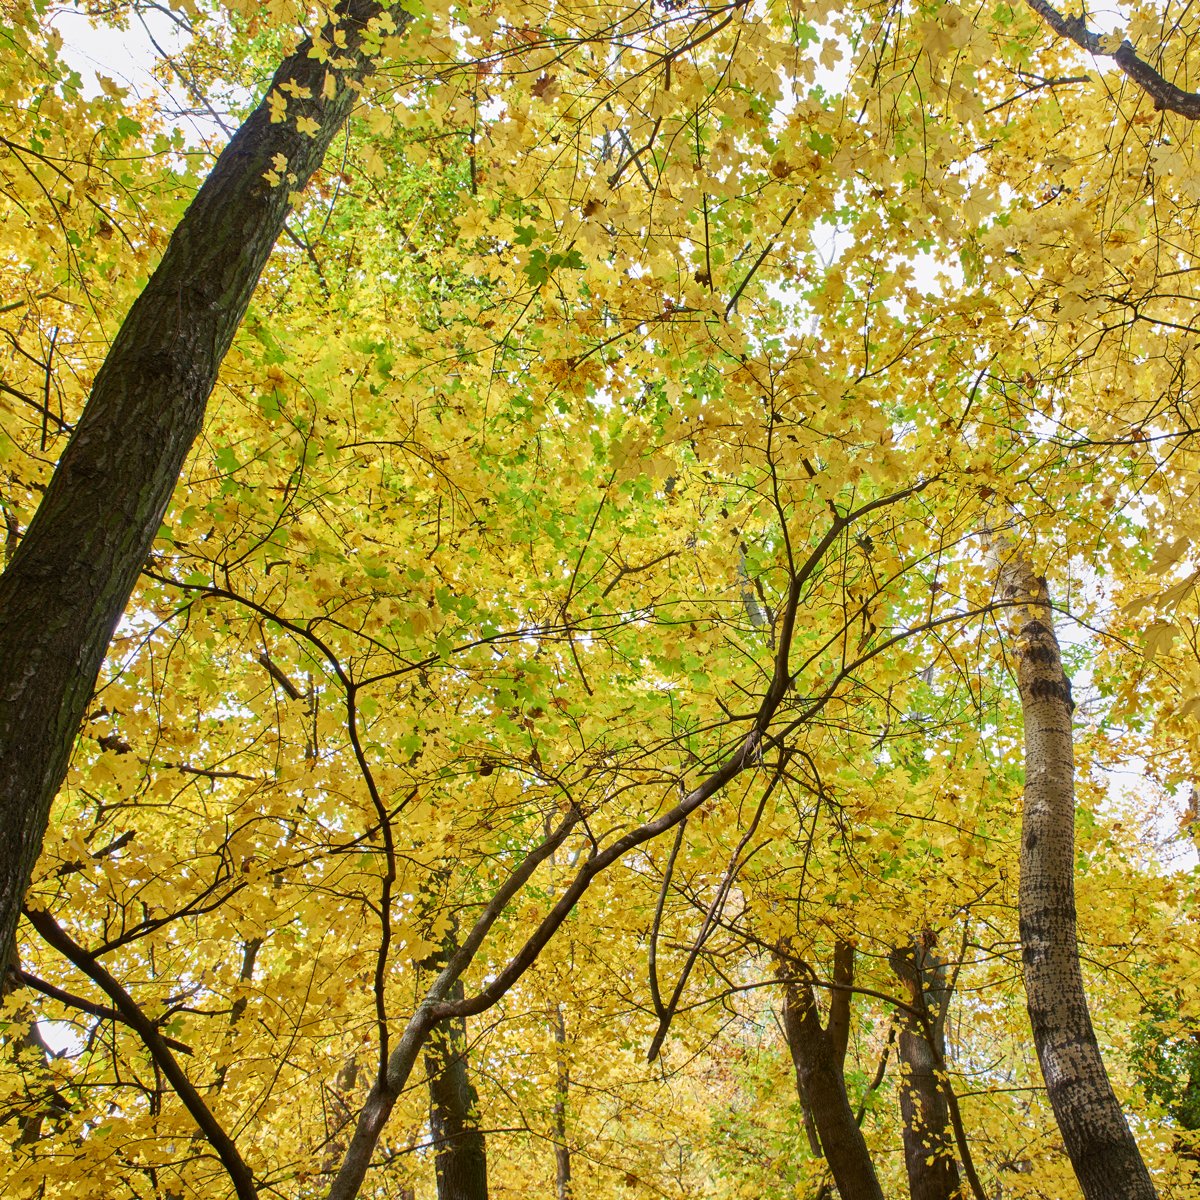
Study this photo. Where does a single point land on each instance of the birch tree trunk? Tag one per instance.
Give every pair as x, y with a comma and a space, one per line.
1097, 1138
67, 585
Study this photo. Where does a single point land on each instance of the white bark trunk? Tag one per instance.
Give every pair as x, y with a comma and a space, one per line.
1097, 1138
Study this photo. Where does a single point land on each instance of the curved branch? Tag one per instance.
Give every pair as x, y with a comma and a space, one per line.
667, 1013
155, 1043
73, 572
1166, 96
70, 1000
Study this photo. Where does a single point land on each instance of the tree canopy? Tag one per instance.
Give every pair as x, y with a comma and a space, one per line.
531, 533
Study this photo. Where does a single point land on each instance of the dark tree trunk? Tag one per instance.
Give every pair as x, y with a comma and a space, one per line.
1097, 1139
562, 1152
71, 577
460, 1154
928, 1136
818, 1054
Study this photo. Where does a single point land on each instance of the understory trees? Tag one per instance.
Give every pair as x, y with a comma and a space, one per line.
530, 499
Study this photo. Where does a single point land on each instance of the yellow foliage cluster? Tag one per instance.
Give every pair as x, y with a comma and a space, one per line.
624, 409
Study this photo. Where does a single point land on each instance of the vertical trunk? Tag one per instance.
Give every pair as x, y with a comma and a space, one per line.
460, 1154
818, 1054
562, 1152
67, 584
1097, 1139
928, 1137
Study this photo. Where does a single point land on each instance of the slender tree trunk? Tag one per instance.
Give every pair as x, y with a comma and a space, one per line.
250, 949
928, 1137
460, 1156
562, 1087
69, 581
460, 1153
819, 1054
1097, 1139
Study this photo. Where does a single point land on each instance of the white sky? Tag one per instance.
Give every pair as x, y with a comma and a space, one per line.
127, 57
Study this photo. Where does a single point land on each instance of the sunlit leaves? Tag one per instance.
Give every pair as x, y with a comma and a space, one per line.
607, 337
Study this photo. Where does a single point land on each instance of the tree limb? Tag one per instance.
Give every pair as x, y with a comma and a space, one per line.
1165, 95
156, 1044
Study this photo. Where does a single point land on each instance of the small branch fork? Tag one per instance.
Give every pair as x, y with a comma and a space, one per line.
1165, 95
437, 1007
667, 1012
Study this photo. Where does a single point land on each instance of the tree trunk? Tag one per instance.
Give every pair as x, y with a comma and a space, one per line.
818, 1054
1097, 1139
928, 1137
562, 1152
460, 1152
71, 577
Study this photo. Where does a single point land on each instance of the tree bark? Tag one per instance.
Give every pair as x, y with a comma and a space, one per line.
71, 577
1165, 94
1094, 1131
819, 1054
460, 1155
562, 1087
928, 1137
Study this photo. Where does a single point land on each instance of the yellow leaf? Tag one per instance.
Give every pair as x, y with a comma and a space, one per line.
1158, 639
1167, 556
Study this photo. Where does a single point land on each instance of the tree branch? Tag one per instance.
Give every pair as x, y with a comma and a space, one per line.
1166, 96
156, 1044
70, 1000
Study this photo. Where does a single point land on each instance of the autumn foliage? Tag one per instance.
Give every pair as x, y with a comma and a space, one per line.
569, 706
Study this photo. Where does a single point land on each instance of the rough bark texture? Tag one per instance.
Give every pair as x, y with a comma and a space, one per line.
460, 1155
1097, 1139
819, 1053
928, 1137
69, 580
